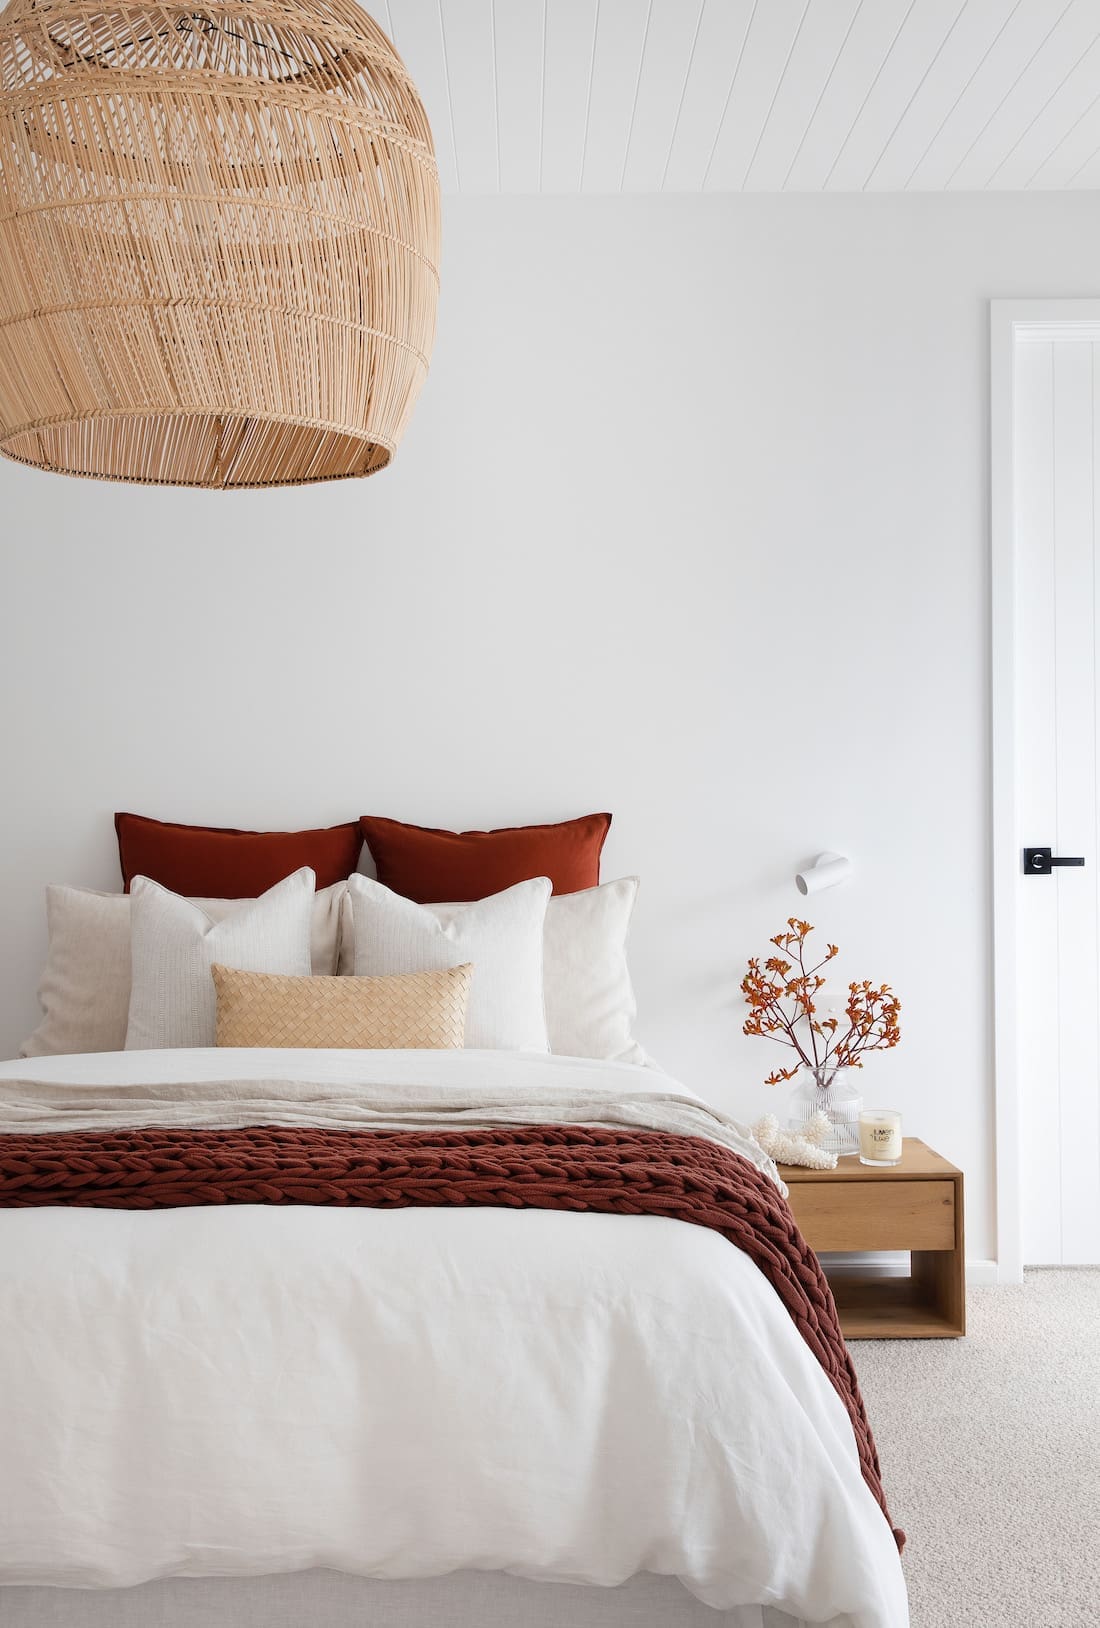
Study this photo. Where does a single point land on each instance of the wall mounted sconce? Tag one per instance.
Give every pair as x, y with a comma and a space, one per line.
826, 871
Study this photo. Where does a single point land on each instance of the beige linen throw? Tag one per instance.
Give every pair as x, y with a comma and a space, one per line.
28, 1106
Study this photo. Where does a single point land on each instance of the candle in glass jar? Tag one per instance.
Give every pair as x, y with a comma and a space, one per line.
879, 1136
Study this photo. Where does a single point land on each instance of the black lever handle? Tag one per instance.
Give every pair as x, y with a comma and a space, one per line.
1040, 861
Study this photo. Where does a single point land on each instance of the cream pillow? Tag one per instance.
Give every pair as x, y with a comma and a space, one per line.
423, 1009
84, 991
590, 1005
174, 943
501, 935
587, 989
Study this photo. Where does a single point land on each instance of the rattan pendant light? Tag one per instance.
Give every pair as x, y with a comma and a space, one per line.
219, 240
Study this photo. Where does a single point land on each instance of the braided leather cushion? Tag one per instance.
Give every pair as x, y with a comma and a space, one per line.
410, 1009
558, 1167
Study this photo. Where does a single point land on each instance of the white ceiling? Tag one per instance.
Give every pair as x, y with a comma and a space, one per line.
756, 95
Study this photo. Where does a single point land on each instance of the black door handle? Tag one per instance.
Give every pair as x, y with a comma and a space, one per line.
1039, 861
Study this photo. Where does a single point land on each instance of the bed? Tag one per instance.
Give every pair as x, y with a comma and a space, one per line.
444, 1410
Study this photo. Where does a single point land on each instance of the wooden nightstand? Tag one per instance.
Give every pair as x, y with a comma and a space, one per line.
916, 1205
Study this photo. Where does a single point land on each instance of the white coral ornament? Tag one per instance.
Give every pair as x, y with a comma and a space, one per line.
801, 1147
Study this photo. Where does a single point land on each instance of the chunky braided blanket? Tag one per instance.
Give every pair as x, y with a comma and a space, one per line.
566, 1167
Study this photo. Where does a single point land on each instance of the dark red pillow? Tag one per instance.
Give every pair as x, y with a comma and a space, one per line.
219, 862
431, 866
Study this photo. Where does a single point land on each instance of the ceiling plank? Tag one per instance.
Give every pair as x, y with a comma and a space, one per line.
1087, 173
772, 40
816, 52
419, 42
622, 42
927, 30
1070, 155
709, 89
1026, 95
603, 96
467, 29
1030, 23
672, 37
518, 27
1070, 102
866, 49
964, 49
571, 27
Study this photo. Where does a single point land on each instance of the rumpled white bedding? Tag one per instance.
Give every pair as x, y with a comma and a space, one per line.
405, 1393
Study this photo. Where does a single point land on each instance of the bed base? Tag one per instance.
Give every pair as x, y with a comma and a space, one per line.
328, 1599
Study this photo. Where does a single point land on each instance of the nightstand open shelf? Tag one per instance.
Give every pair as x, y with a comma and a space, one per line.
915, 1206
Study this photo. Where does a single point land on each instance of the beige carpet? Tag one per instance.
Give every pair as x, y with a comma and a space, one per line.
990, 1451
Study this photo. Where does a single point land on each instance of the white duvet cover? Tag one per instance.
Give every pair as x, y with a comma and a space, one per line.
405, 1393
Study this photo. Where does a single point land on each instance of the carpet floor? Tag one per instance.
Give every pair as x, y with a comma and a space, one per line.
990, 1451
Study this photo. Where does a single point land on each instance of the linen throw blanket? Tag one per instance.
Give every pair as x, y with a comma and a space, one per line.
598, 1152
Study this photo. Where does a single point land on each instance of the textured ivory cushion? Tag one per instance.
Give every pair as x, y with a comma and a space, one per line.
411, 1009
501, 935
587, 989
590, 1005
173, 945
429, 865
84, 991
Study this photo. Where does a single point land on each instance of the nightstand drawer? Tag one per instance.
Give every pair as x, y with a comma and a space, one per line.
863, 1215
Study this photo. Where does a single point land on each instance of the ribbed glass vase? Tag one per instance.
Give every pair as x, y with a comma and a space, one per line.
828, 1090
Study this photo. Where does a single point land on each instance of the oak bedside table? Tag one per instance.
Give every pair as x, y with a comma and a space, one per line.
916, 1205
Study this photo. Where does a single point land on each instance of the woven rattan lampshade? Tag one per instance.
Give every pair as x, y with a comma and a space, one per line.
219, 240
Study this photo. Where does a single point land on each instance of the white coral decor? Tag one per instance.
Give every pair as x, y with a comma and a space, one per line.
796, 1147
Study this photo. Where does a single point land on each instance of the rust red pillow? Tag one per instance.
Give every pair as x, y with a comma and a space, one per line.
220, 862
431, 866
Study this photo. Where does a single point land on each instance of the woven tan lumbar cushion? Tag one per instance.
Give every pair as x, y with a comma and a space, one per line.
409, 1009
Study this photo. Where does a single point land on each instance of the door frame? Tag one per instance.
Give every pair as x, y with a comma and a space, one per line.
1011, 321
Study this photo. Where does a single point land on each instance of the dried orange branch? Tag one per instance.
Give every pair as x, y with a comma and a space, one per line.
783, 1007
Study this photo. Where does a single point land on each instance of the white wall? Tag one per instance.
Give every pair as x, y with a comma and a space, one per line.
691, 524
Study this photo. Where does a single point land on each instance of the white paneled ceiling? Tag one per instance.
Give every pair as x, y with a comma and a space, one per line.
756, 95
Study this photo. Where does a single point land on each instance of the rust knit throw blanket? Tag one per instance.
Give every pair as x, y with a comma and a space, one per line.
543, 1167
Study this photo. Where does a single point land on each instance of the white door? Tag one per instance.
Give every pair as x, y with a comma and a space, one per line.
1056, 475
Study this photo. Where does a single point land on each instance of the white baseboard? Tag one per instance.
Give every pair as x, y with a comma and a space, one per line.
892, 1263
895, 1263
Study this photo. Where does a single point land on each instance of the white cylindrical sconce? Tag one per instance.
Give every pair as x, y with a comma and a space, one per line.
826, 871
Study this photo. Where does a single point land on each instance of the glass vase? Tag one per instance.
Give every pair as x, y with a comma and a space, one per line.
828, 1090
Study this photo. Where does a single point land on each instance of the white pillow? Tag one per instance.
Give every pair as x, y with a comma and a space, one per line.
590, 1005
174, 943
501, 935
587, 989
84, 991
